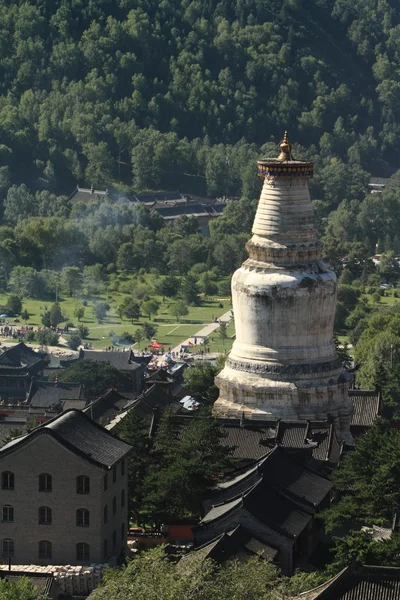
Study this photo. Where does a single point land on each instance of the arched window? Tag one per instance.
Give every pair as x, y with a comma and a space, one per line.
105, 481
114, 505
122, 498
45, 549
114, 539
123, 532
123, 466
114, 474
7, 548
82, 484
8, 514
105, 549
7, 480
45, 515
82, 517
82, 551
105, 513
45, 482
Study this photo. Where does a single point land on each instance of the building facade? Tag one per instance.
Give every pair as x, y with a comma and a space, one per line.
283, 363
63, 494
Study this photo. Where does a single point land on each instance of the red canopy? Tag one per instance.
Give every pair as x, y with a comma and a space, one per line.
156, 345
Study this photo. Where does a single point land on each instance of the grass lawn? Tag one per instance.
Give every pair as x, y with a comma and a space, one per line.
170, 333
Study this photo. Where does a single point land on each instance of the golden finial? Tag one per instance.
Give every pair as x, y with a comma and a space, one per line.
286, 148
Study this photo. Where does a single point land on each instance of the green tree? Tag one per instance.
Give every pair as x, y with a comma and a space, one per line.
83, 331
56, 316
19, 204
20, 589
71, 280
100, 310
129, 309
187, 468
189, 291
74, 341
134, 430
47, 337
25, 315
199, 382
149, 331
139, 335
179, 309
96, 377
150, 307
14, 305
368, 481
79, 312
223, 331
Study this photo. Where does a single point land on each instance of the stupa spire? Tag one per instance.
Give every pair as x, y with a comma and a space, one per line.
286, 148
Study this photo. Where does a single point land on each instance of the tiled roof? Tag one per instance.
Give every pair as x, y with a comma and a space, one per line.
119, 359
279, 470
80, 434
250, 443
156, 196
366, 408
19, 356
48, 393
105, 407
369, 583
266, 504
237, 544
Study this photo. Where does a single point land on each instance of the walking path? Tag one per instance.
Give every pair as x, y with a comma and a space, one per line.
205, 331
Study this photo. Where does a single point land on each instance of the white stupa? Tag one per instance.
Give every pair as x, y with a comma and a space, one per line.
283, 363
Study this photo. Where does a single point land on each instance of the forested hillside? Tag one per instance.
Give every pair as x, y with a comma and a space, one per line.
184, 93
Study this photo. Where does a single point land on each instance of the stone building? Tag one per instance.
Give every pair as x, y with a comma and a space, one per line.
283, 363
63, 494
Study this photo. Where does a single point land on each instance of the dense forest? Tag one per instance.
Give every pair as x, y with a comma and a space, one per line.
184, 94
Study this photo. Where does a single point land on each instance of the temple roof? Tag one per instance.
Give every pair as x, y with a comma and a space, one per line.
366, 583
366, 405
48, 393
267, 505
20, 357
237, 543
281, 471
77, 432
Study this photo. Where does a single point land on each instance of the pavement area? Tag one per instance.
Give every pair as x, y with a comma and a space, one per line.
206, 330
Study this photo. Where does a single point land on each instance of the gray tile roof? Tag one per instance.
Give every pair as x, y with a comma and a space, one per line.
266, 504
20, 356
366, 408
368, 583
119, 359
79, 433
237, 544
49, 393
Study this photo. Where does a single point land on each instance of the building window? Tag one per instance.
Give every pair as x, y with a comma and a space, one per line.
105, 549
123, 532
114, 539
82, 484
45, 516
45, 482
45, 549
123, 466
7, 548
8, 514
82, 551
82, 517
114, 505
105, 513
122, 498
7, 480
114, 474
105, 481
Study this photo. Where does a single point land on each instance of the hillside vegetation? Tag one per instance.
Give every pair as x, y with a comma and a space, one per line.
183, 94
